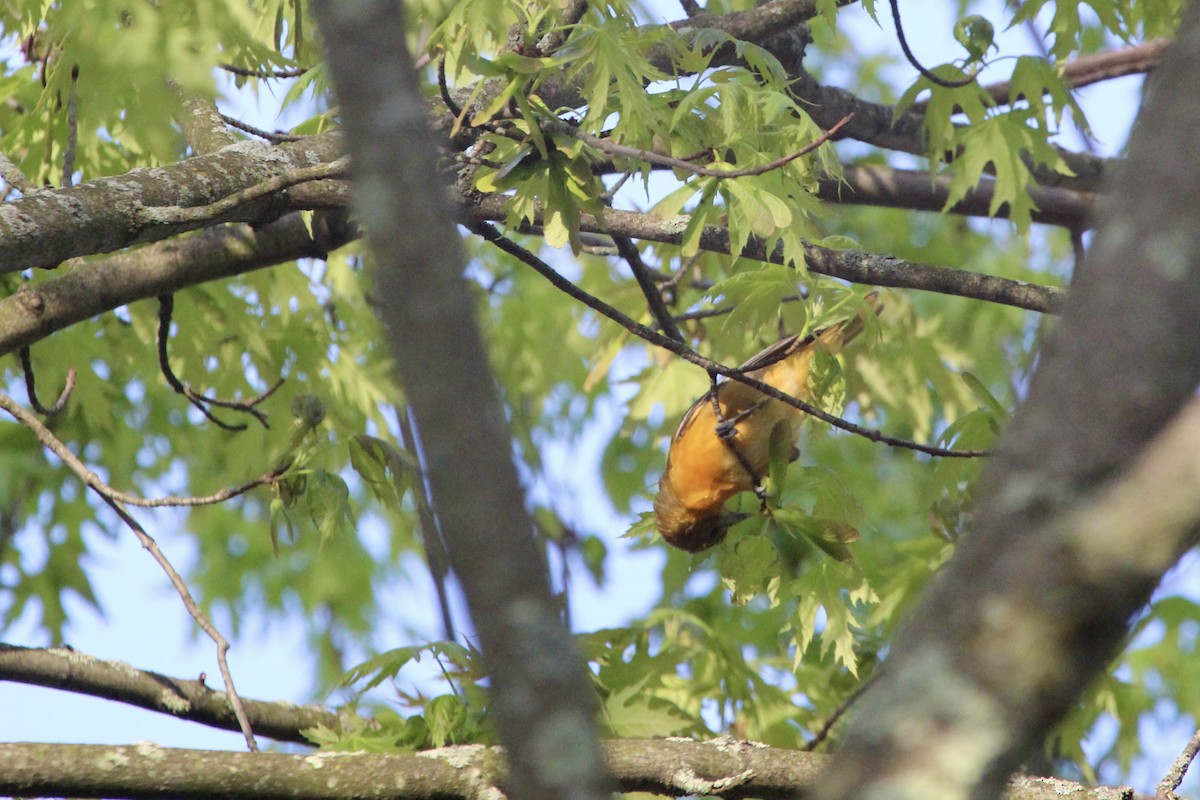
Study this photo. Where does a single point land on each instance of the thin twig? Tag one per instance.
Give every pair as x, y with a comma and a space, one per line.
654, 299
837, 714
1087, 70
168, 215
428, 525
670, 283
444, 89
112, 499
52, 443
270, 136
31, 387
1170, 782
651, 157
607, 196
489, 233
294, 72
166, 305
709, 313
68, 173
912, 59
193, 609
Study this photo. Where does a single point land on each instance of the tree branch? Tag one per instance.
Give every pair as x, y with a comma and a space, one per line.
45, 228
878, 124
34, 312
203, 128
919, 191
544, 706
1087, 69
848, 265
681, 349
1065, 547
670, 767
191, 700
650, 157
171, 215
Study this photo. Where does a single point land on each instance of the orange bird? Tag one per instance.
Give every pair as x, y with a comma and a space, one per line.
712, 459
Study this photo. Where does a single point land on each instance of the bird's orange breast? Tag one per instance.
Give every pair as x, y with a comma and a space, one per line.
702, 469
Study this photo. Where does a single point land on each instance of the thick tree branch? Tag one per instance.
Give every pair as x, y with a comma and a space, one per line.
203, 128
544, 706
759, 25
1065, 547
191, 700
46, 228
920, 191
669, 767
877, 124
34, 312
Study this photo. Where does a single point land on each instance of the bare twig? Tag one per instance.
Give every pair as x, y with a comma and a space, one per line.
271, 136
166, 304
294, 72
1170, 782
654, 299
31, 387
683, 351
844, 706
650, 157
444, 89
194, 610
112, 499
68, 173
912, 59
429, 527
54, 445
709, 313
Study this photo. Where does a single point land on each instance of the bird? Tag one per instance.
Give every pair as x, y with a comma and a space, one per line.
713, 458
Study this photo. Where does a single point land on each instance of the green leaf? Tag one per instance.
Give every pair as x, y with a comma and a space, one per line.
782, 451
379, 668
446, 718
977, 36
984, 396
830, 535
630, 714
756, 296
